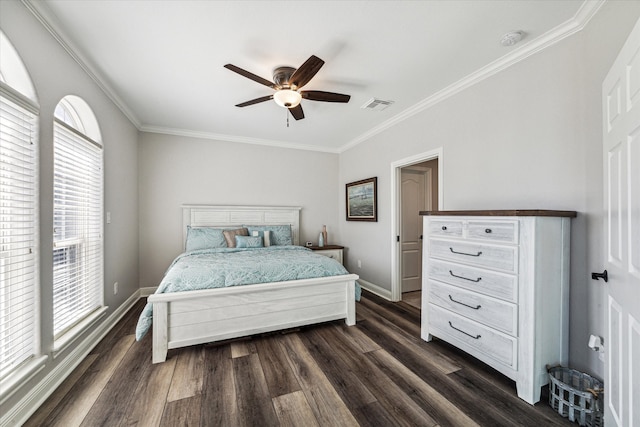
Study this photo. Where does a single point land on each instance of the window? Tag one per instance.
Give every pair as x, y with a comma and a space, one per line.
77, 215
18, 213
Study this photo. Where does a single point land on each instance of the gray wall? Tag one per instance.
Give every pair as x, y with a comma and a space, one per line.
56, 75
528, 137
176, 170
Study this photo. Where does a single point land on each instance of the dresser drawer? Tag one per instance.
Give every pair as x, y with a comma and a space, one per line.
451, 228
480, 340
483, 255
495, 231
486, 310
492, 283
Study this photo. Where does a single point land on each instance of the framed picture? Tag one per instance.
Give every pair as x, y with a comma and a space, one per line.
362, 200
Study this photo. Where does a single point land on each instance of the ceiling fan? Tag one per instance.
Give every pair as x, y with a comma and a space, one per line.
287, 82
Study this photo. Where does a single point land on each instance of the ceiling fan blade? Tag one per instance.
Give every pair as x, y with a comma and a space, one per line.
251, 76
255, 101
318, 95
297, 112
305, 73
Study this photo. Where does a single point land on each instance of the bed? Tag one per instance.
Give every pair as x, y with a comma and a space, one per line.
190, 317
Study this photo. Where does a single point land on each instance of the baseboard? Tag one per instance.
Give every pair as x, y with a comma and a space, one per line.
375, 289
145, 292
21, 411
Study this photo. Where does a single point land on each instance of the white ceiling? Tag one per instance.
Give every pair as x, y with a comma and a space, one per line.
162, 61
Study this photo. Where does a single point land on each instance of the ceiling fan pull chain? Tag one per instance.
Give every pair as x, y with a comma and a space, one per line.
287, 113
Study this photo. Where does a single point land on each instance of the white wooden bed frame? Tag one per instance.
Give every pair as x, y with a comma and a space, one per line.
182, 319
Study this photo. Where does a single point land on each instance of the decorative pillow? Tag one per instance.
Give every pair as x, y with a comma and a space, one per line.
248, 241
230, 236
279, 234
265, 235
204, 238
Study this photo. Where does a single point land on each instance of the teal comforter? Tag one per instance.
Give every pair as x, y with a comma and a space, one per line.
218, 268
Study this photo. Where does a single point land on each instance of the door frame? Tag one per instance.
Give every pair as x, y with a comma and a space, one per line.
396, 206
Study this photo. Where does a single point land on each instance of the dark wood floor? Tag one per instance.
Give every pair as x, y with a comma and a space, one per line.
377, 373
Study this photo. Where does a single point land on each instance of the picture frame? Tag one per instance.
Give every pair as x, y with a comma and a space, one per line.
362, 200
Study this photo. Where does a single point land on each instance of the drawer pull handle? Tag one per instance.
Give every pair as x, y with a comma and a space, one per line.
475, 337
444, 228
465, 278
464, 253
487, 230
477, 307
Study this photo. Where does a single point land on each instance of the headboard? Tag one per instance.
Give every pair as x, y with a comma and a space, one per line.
236, 216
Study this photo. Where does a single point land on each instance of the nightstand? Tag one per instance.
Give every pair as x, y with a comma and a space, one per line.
332, 251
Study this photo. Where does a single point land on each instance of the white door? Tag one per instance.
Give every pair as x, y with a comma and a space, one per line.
414, 187
621, 109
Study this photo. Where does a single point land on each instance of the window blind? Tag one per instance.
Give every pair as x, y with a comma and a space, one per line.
18, 233
77, 227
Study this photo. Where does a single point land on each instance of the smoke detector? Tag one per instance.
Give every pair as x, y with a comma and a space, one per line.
376, 104
511, 38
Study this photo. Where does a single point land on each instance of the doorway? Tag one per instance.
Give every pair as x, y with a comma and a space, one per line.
416, 186
416, 194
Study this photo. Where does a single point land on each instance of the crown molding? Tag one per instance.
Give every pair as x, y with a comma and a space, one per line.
582, 17
51, 24
236, 139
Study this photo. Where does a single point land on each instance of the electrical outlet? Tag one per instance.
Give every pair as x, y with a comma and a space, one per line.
115, 288
359, 264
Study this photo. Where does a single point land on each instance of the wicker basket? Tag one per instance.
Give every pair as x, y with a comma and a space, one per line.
576, 395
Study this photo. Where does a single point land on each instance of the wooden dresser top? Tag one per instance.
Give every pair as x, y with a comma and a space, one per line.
514, 212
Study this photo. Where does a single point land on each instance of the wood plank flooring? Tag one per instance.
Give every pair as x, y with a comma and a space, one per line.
377, 373
413, 298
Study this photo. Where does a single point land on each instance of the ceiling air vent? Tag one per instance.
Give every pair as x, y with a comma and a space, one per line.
376, 104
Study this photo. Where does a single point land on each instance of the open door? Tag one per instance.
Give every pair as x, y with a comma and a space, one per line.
415, 187
621, 141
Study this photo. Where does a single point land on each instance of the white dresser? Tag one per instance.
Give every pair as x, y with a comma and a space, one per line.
496, 285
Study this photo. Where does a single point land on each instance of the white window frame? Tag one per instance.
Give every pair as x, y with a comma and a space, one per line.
78, 299
20, 334
19, 255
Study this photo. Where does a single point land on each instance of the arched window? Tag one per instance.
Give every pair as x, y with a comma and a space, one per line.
19, 319
77, 214
13, 72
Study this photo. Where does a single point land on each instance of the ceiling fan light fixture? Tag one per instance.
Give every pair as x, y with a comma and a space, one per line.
287, 98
